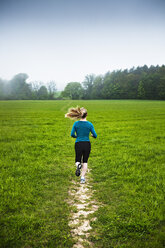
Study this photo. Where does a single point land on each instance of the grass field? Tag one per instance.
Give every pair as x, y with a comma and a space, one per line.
37, 166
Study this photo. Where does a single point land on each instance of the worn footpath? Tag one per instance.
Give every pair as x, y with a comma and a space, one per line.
84, 206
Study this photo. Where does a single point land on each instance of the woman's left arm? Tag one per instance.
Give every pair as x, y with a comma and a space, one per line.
73, 131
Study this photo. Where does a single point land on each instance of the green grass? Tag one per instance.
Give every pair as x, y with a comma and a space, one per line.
36, 161
128, 168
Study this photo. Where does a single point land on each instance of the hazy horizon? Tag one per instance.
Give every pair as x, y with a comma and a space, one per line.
66, 40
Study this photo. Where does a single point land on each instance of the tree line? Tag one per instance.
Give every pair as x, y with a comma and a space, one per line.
136, 83
18, 89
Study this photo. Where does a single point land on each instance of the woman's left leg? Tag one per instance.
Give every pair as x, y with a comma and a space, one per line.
78, 153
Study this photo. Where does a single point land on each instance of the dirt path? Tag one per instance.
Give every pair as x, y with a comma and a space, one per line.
81, 197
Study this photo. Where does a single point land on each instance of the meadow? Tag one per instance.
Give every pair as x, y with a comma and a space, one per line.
127, 164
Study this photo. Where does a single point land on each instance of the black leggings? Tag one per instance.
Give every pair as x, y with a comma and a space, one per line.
82, 148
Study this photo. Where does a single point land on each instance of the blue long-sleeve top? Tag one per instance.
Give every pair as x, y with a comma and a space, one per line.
82, 130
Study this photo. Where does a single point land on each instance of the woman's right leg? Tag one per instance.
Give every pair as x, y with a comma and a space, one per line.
86, 152
84, 169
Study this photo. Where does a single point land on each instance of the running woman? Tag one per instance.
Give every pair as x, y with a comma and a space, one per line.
82, 128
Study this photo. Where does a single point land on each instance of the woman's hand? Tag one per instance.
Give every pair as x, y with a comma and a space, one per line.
92, 135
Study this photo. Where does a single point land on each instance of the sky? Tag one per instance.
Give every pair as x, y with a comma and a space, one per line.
65, 40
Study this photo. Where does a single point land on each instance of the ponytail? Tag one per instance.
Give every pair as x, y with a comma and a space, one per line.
76, 113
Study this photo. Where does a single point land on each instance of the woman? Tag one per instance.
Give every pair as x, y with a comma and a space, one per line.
82, 128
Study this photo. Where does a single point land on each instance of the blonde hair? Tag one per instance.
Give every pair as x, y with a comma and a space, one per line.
76, 113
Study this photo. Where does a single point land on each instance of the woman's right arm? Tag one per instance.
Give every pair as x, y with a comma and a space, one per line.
94, 134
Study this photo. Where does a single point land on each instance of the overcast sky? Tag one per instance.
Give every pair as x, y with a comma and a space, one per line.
65, 40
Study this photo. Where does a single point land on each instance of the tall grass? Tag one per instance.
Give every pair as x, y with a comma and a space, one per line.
128, 162
36, 170
128, 168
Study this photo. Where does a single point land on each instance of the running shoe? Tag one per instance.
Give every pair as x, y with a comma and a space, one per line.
82, 180
78, 170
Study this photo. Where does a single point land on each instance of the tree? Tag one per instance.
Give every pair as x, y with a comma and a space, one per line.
97, 88
141, 82
1, 89
18, 87
51, 86
141, 91
73, 90
42, 93
88, 84
111, 86
35, 86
